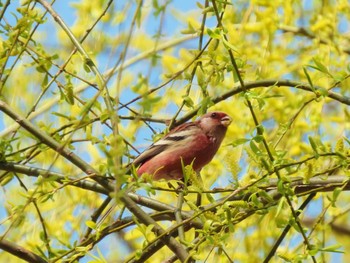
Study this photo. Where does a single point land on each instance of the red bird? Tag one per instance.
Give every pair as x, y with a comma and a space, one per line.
195, 142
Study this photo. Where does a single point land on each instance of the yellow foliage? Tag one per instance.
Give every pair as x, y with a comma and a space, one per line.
143, 42
298, 129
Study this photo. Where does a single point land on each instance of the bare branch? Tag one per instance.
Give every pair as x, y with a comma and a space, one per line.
20, 252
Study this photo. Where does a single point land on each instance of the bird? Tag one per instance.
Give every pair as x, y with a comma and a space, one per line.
193, 143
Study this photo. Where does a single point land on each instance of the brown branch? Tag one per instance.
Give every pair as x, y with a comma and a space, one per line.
59, 178
315, 184
53, 144
168, 240
266, 84
305, 33
338, 228
20, 252
96, 215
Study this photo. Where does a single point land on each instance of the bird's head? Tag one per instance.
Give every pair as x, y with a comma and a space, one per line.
213, 121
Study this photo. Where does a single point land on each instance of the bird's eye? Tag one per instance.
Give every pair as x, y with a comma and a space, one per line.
213, 115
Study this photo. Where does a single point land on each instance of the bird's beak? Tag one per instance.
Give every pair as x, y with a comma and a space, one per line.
226, 121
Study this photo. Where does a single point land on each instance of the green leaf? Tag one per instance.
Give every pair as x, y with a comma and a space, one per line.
7, 179
41, 69
86, 66
320, 67
227, 44
210, 198
260, 130
208, 9
280, 206
206, 103
208, 223
333, 248
265, 164
336, 192
347, 140
45, 81
280, 187
314, 146
258, 138
189, 30
255, 148
70, 118
216, 33
239, 141
91, 224
285, 256
309, 79
70, 94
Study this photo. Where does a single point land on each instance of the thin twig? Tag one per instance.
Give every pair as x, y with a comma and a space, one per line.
286, 229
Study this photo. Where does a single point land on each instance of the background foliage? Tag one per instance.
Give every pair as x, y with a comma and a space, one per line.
87, 85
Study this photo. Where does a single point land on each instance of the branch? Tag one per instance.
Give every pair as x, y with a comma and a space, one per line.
59, 178
53, 144
303, 32
51, 102
286, 229
20, 252
315, 184
266, 84
168, 240
340, 229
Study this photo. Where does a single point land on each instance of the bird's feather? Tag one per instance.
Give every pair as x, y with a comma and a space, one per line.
177, 134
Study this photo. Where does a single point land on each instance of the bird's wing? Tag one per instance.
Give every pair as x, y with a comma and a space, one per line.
179, 133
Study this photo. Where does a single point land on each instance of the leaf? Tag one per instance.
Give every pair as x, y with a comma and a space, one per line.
347, 140
91, 224
239, 141
188, 102
86, 66
210, 198
280, 206
7, 179
189, 30
259, 130
255, 148
45, 81
258, 138
70, 118
287, 257
70, 94
41, 69
320, 67
309, 79
216, 33
227, 44
265, 164
208, 9
206, 103
337, 191
332, 248
314, 146
208, 223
